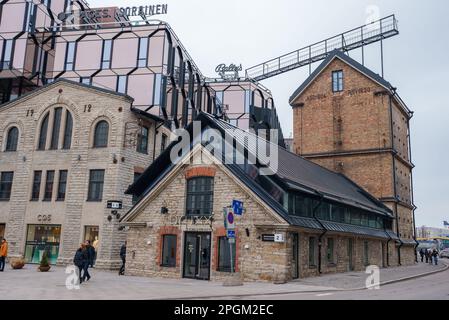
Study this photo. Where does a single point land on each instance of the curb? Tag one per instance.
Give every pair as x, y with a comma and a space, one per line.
317, 291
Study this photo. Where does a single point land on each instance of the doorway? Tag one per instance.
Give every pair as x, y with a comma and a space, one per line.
350, 254
197, 255
295, 256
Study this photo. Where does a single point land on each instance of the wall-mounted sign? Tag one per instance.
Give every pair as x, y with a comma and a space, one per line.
268, 237
237, 206
144, 10
230, 72
279, 237
44, 218
113, 204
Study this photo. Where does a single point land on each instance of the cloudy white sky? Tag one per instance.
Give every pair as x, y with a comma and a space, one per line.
416, 62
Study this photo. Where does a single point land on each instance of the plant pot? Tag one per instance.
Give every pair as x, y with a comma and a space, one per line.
17, 263
44, 269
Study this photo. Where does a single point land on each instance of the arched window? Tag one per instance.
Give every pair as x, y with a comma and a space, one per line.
101, 134
43, 133
12, 139
68, 131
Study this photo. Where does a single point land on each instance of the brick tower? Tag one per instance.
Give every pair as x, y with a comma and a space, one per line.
350, 120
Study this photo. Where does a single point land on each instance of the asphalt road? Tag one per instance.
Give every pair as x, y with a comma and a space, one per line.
432, 287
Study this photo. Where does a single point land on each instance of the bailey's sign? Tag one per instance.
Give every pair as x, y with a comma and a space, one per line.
116, 13
230, 72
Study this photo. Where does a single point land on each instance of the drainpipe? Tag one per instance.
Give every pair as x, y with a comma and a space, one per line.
322, 226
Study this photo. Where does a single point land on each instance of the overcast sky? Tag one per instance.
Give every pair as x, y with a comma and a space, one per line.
416, 62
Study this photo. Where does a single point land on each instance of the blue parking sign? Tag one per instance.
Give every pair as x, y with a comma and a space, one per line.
231, 234
237, 207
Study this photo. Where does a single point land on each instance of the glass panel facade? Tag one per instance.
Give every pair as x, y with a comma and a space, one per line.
200, 193
107, 54
96, 182
7, 54
224, 255
143, 52
122, 84
70, 56
41, 238
169, 251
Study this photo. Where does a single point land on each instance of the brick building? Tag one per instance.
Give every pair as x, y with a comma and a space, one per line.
352, 121
300, 221
65, 150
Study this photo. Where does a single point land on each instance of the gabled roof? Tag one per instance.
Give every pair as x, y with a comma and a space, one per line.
70, 82
337, 54
294, 172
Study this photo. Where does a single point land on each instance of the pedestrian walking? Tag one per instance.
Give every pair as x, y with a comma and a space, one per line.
123, 257
90, 253
78, 261
422, 253
435, 256
429, 253
3, 254
86, 261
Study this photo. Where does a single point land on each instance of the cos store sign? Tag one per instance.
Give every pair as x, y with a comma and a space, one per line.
44, 218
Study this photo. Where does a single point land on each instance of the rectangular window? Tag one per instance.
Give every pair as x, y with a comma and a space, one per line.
337, 81
142, 140
312, 252
70, 56
143, 52
107, 54
200, 193
48, 194
330, 251
56, 129
169, 251
366, 253
86, 80
6, 185
7, 54
96, 182
219, 96
122, 84
62, 185
224, 256
247, 101
35, 193
157, 95
163, 142
29, 19
136, 176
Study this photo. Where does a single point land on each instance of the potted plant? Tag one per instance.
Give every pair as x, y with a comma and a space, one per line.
44, 265
17, 263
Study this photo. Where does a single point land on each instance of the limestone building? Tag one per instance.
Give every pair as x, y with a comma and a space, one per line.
352, 121
67, 149
302, 220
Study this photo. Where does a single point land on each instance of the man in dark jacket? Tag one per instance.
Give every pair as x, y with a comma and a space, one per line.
422, 254
123, 257
79, 261
87, 260
91, 253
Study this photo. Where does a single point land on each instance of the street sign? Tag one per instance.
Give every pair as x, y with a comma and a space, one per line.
268, 237
112, 204
230, 221
231, 234
237, 206
279, 237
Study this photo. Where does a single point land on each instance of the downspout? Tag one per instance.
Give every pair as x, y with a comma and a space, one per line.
320, 238
156, 128
394, 178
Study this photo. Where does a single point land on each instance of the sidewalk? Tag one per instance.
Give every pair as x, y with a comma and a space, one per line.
31, 284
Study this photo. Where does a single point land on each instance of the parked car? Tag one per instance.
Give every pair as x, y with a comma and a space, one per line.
444, 253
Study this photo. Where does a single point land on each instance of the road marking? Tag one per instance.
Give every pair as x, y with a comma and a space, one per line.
324, 294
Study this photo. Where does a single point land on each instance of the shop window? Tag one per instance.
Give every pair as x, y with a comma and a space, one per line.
6, 179
200, 196
169, 251
96, 182
62, 185
101, 134
48, 194
366, 253
224, 255
337, 81
12, 139
36, 189
107, 54
40, 239
91, 233
312, 252
142, 140
330, 251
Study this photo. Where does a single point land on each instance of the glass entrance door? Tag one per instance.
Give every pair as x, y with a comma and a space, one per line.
197, 255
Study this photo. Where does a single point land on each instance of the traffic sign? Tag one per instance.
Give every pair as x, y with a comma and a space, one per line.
237, 206
231, 234
230, 221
